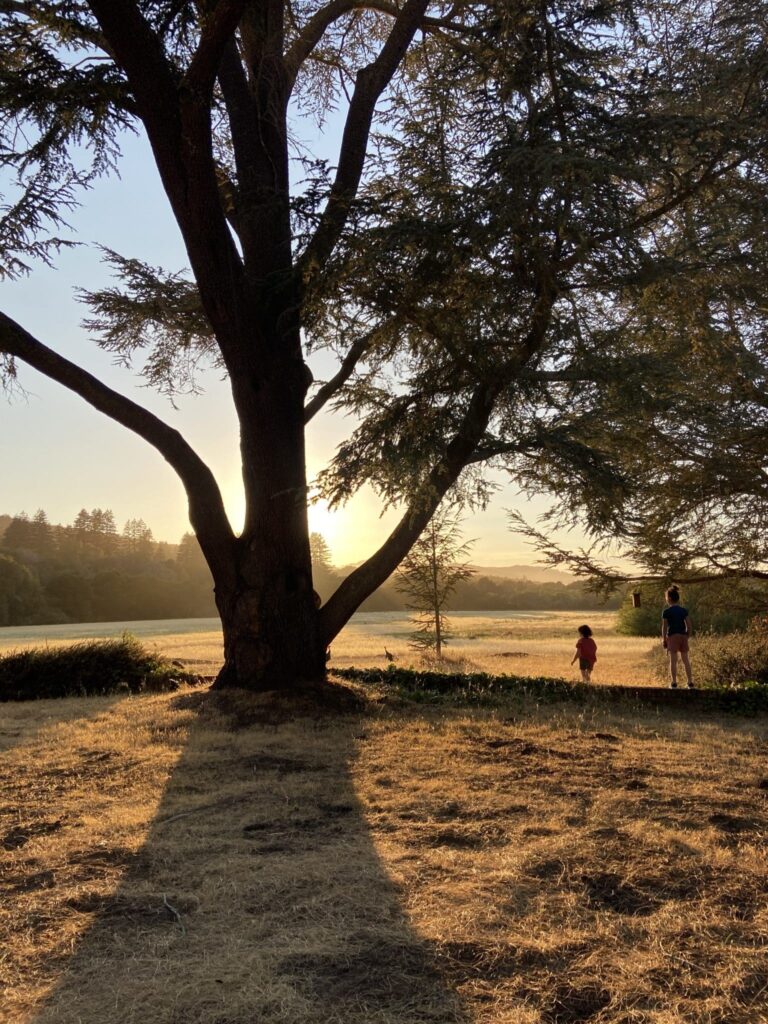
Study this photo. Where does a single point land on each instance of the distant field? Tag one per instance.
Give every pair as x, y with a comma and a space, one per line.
540, 644
532, 643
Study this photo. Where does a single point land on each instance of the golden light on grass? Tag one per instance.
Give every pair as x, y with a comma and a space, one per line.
169, 860
538, 644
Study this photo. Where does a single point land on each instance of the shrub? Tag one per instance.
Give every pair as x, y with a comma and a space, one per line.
718, 606
470, 687
91, 668
747, 698
731, 661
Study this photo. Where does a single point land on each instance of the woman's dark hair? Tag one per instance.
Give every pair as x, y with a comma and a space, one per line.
673, 595
585, 631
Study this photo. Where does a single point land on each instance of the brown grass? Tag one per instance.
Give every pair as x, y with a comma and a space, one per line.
172, 859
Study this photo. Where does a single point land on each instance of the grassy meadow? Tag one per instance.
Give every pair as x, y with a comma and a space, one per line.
540, 644
184, 859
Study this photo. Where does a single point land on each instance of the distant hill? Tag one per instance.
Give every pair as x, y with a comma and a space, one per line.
534, 573
4, 522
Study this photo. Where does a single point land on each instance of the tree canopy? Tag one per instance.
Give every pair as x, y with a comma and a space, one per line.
523, 193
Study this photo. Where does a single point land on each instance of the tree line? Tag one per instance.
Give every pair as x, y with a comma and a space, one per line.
477, 592
89, 571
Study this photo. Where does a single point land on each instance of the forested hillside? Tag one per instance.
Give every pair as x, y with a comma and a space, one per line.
88, 571
483, 591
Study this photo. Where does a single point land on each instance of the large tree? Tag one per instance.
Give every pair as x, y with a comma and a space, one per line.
528, 159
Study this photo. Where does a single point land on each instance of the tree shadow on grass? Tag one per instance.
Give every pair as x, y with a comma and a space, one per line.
258, 894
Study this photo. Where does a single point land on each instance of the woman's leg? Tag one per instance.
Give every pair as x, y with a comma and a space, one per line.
673, 667
687, 666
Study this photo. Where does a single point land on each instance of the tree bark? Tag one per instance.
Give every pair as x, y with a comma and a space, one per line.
270, 625
272, 638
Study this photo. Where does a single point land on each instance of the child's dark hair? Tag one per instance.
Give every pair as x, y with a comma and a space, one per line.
585, 631
673, 594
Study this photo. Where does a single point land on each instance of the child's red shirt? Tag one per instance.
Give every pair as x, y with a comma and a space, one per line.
587, 649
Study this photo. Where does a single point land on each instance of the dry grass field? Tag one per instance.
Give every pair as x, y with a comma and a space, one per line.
171, 859
539, 644
542, 644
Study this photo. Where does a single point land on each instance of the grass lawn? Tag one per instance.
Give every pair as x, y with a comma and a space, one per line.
174, 860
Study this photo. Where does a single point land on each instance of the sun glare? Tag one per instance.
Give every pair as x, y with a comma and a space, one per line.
325, 521
352, 533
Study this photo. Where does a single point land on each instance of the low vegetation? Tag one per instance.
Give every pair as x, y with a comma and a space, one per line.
87, 571
466, 687
94, 667
738, 659
716, 607
750, 698
735, 659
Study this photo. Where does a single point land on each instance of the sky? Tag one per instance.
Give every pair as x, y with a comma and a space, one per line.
59, 454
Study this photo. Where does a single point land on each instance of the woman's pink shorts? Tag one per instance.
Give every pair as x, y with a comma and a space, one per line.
678, 642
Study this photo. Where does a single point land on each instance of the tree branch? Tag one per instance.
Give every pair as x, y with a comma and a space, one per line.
370, 83
243, 115
483, 454
558, 376
206, 508
362, 582
217, 33
313, 31
607, 579
139, 52
710, 174
339, 379
179, 130
56, 20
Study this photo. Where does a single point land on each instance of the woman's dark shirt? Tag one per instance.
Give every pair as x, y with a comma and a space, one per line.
675, 616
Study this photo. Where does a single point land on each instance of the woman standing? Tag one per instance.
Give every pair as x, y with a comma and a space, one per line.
675, 634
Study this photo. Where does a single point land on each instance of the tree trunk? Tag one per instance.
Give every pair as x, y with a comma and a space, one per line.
271, 635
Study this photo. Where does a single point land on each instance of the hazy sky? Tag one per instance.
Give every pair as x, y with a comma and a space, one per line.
58, 453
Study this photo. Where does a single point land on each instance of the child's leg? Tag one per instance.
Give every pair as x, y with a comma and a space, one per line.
687, 666
585, 675
673, 667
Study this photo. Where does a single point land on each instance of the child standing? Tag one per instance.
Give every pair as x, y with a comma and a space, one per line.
675, 632
586, 652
